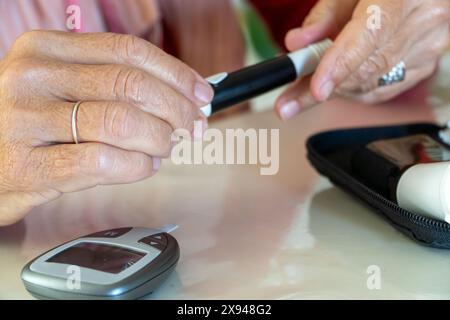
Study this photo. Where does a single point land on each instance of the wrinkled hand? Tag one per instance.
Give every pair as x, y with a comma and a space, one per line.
413, 31
135, 97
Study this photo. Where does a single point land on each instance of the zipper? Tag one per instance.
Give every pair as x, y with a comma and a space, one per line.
371, 196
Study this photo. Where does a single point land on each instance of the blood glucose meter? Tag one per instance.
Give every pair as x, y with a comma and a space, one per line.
126, 263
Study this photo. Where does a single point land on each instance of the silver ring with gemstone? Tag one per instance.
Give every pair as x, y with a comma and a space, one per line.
396, 75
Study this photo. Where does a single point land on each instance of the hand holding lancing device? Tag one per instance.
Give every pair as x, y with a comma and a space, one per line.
134, 97
413, 36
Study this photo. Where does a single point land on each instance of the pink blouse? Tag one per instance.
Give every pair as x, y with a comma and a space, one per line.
203, 33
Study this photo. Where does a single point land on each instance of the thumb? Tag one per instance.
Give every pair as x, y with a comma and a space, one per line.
325, 20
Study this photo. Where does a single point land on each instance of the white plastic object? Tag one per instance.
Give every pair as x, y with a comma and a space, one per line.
424, 189
306, 60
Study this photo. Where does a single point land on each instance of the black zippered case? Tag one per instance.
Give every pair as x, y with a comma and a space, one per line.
331, 153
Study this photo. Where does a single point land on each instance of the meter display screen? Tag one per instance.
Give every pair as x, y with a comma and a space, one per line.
97, 256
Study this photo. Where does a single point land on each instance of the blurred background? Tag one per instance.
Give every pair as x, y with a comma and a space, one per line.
260, 46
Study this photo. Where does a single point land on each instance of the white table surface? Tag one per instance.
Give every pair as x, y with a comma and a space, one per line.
243, 235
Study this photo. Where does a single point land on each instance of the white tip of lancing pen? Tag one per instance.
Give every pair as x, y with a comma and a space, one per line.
307, 59
207, 110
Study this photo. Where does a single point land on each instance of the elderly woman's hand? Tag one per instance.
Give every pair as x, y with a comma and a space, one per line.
134, 97
415, 32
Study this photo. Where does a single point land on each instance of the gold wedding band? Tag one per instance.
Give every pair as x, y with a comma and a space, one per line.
74, 122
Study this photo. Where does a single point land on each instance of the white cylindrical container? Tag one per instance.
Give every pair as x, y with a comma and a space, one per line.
424, 189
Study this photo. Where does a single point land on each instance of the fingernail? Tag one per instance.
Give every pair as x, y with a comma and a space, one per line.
204, 92
326, 90
289, 109
156, 164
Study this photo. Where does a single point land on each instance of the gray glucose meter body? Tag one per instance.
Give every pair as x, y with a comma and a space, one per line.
125, 263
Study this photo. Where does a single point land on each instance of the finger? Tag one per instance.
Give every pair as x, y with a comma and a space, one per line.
382, 94
402, 47
69, 168
108, 48
355, 44
366, 78
117, 124
15, 205
73, 82
325, 20
295, 99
